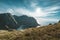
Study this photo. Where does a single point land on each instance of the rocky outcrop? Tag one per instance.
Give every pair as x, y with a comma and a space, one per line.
26, 22
7, 21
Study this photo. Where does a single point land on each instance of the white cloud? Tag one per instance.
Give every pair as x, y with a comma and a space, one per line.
10, 10
46, 21
38, 12
22, 11
52, 9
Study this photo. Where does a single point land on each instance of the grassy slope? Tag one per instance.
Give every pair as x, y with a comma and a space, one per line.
50, 32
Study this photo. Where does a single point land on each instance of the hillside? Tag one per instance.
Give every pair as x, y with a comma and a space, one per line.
25, 21
9, 21
50, 32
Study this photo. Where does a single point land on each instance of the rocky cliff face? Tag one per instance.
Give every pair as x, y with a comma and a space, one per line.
7, 21
26, 22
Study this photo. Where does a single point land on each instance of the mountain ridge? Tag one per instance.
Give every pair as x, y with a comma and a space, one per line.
8, 21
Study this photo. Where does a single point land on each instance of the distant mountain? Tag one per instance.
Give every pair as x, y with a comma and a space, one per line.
7, 21
26, 22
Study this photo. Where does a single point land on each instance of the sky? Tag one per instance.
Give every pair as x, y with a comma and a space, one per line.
44, 11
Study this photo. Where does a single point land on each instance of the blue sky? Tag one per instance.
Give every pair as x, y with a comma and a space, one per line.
44, 11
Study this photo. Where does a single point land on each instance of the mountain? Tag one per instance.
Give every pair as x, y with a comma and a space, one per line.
7, 21
49, 32
26, 22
